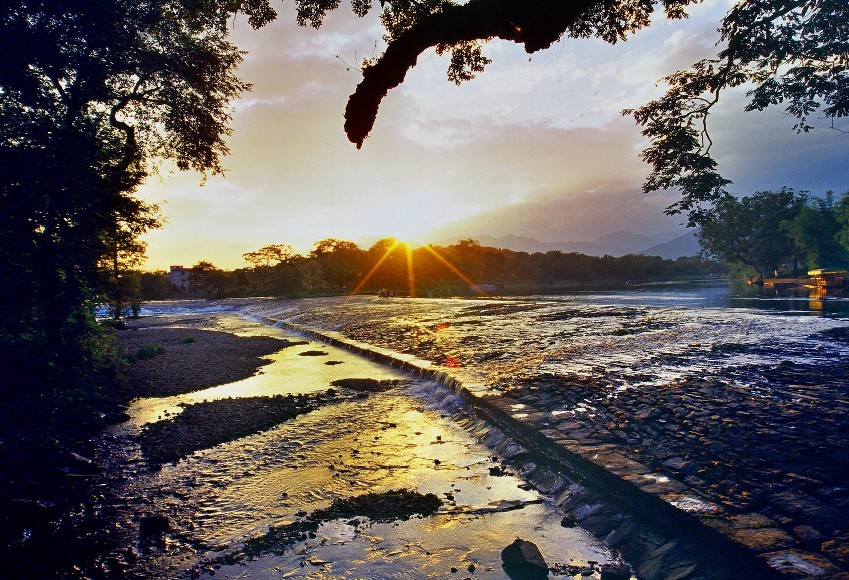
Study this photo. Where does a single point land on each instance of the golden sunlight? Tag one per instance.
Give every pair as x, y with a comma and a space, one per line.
407, 249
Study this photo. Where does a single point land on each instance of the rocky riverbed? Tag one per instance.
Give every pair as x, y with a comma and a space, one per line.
736, 416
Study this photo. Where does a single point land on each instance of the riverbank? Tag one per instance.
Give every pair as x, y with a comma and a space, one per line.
632, 466
51, 500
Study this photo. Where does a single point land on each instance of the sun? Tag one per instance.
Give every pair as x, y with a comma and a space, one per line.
406, 248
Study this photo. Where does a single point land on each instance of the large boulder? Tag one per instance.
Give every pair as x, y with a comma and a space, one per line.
522, 559
615, 572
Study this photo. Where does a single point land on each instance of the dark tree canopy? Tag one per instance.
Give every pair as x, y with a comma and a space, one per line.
785, 52
92, 95
769, 229
749, 230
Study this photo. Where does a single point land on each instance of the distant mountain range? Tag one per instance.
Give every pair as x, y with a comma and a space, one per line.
668, 245
684, 245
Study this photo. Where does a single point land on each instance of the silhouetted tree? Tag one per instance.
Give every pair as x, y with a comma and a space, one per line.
815, 230
265, 258
787, 52
207, 278
841, 212
341, 262
392, 271
154, 285
125, 255
750, 230
90, 92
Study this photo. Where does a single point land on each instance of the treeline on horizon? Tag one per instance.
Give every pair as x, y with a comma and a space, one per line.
338, 266
775, 233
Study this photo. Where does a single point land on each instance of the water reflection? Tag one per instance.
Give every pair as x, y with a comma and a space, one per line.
288, 372
221, 496
724, 294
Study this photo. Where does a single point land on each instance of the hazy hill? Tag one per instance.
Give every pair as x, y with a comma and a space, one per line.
684, 245
671, 244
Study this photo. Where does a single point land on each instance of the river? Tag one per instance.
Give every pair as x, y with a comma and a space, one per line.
583, 358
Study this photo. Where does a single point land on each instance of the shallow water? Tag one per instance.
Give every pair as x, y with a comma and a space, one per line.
217, 498
630, 338
780, 356
289, 371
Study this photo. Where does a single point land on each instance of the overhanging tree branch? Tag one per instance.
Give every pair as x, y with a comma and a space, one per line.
536, 24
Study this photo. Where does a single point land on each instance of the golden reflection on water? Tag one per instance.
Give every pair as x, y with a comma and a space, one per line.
387, 441
287, 373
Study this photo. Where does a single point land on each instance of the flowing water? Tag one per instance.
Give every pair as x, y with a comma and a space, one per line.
403, 438
618, 343
635, 338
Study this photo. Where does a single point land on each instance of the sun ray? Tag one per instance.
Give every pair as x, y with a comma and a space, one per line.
411, 277
455, 270
375, 268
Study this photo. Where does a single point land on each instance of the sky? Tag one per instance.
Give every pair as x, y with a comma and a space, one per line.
535, 146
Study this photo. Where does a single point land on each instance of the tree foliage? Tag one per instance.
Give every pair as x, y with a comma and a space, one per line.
772, 228
267, 256
264, 259
91, 95
786, 52
749, 230
336, 266
817, 233
339, 261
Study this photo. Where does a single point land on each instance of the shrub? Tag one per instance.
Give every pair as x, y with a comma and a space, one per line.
148, 350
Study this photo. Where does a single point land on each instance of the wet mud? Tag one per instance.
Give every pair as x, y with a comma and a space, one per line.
384, 507
183, 365
205, 425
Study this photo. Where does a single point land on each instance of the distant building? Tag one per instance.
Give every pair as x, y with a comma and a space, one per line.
487, 288
179, 277
824, 278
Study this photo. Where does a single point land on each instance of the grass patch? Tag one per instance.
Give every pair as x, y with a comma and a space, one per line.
148, 350
188, 340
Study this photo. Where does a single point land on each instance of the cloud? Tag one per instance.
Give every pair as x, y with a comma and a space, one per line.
533, 148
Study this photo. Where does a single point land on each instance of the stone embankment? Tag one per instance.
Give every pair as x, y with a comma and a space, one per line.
680, 486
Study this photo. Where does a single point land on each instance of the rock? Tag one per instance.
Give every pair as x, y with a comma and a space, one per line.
838, 549
808, 536
522, 559
615, 572
568, 522
152, 530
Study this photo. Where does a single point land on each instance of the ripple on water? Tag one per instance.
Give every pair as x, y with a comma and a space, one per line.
221, 496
